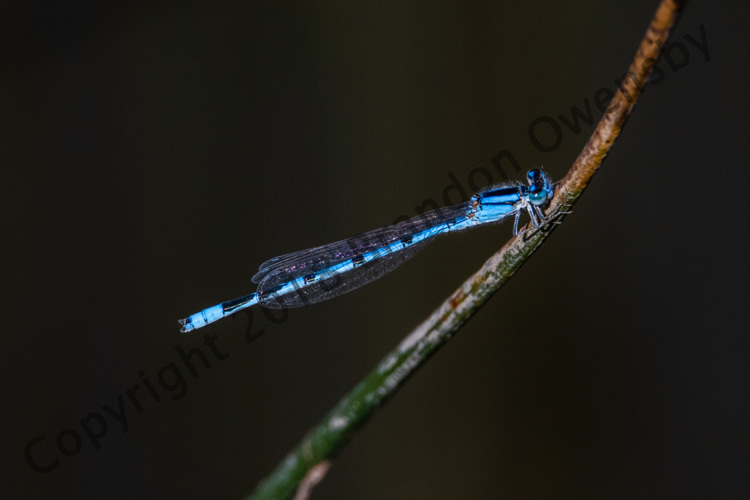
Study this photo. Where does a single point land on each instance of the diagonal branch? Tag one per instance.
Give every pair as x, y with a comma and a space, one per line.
326, 440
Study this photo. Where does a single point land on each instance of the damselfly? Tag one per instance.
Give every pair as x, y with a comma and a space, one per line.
317, 274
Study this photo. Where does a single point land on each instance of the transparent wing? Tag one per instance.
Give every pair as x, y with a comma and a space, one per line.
313, 261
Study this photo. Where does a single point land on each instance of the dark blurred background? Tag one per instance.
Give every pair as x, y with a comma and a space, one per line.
153, 155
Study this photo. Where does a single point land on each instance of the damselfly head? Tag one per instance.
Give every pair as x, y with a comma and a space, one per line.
541, 187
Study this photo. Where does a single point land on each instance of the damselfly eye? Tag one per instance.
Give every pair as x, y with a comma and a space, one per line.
534, 174
538, 197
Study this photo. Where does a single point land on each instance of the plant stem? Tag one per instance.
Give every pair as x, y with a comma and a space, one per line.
326, 440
